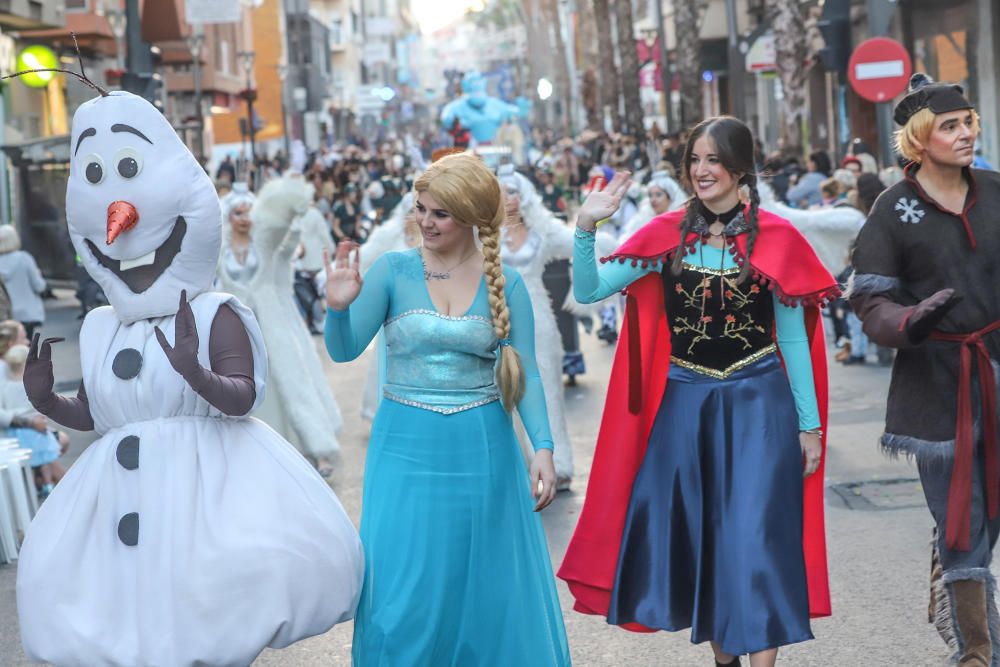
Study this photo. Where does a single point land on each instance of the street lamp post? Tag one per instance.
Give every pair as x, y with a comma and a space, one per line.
736, 64
196, 42
247, 58
282, 75
116, 20
667, 79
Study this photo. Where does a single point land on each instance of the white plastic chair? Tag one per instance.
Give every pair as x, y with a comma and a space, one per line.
10, 447
8, 519
16, 464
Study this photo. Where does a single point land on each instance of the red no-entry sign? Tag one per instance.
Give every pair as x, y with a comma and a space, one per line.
879, 69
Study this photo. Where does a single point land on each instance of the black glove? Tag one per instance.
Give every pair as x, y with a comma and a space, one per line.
927, 314
183, 356
38, 377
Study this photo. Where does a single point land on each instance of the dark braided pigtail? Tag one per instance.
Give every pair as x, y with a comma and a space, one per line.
690, 213
750, 180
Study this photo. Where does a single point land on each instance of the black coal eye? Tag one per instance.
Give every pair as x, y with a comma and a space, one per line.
129, 162
94, 173
93, 168
128, 167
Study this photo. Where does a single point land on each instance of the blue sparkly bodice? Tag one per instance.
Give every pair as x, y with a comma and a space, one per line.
438, 362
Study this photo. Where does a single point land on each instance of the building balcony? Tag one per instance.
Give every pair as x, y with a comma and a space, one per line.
31, 14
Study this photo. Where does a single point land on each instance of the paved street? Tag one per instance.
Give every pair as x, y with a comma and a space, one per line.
878, 550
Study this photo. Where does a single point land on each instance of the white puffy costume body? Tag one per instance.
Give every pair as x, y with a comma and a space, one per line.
182, 536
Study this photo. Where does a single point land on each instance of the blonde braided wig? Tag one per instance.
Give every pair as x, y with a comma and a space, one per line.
471, 194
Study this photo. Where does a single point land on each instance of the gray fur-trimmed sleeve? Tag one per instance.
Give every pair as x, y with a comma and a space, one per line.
873, 286
869, 284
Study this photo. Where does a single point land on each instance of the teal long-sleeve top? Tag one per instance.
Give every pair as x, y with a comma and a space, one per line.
592, 283
440, 362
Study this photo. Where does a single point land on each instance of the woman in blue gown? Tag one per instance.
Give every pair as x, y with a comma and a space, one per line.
458, 572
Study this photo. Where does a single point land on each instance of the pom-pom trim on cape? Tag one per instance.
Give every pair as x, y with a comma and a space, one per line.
639, 378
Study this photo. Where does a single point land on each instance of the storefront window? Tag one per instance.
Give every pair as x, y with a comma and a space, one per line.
943, 38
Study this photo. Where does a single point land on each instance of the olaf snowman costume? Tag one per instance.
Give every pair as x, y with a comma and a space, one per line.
189, 533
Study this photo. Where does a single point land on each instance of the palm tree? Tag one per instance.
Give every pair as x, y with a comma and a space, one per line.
590, 84
688, 15
611, 85
629, 59
793, 58
563, 87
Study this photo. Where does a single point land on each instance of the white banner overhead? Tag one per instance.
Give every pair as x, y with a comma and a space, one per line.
212, 11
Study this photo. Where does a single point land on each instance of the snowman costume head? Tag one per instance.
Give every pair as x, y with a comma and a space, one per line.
143, 215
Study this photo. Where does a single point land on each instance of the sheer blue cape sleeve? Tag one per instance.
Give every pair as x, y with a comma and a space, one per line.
348, 332
531, 407
793, 341
592, 283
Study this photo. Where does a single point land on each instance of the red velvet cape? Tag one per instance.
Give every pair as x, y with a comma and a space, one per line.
784, 262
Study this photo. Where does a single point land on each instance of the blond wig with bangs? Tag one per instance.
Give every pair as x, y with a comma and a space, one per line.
468, 190
914, 135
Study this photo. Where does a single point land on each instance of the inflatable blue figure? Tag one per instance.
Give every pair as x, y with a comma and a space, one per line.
476, 111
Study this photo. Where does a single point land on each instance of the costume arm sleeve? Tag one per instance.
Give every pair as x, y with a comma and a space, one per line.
793, 341
229, 385
591, 283
348, 332
873, 286
531, 407
70, 412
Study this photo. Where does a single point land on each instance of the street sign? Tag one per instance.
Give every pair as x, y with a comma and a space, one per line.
762, 55
879, 69
212, 11
376, 52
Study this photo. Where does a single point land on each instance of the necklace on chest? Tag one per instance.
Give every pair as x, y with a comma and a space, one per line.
430, 274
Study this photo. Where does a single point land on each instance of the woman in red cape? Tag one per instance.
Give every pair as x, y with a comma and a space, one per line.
707, 472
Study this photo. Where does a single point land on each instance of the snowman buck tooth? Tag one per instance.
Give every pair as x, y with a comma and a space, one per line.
145, 260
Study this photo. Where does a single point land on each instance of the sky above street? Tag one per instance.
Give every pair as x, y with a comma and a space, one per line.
434, 14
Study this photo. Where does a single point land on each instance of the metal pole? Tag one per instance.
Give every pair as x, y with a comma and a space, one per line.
4, 178
139, 59
197, 42
250, 127
881, 12
736, 92
667, 82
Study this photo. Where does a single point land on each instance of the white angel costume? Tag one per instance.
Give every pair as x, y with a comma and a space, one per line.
183, 536
390, 236
548, 239
830, 231
645, 213
299, 404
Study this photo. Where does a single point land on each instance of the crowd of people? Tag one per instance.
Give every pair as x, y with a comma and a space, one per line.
472, 282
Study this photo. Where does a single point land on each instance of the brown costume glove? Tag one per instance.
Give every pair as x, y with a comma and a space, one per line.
890, 324
229, 386
38, 383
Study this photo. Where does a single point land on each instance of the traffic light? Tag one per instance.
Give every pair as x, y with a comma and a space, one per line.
835, 25
148, 86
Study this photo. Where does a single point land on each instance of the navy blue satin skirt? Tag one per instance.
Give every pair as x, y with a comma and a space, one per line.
713, 538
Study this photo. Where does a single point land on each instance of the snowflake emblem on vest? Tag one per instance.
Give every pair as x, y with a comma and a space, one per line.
909, 210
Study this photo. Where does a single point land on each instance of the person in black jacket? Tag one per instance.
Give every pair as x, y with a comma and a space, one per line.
926, 285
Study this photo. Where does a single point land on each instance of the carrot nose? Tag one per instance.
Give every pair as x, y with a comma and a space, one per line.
122, 217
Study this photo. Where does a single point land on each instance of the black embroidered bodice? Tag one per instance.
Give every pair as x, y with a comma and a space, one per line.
716, 325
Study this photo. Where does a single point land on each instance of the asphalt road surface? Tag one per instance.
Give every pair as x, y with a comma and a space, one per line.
878, 532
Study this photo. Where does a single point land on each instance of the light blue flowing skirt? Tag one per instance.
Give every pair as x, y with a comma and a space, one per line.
458, 572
